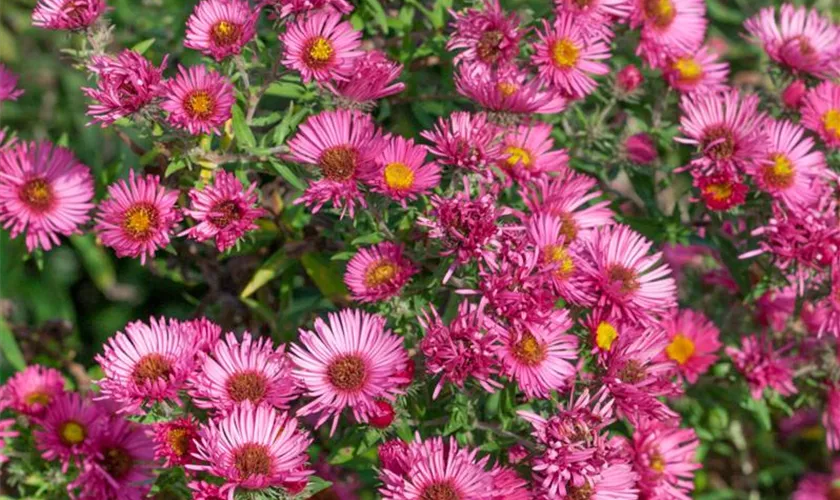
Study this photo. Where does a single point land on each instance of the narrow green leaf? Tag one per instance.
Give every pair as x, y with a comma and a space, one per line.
9, 346
325, 275
97, 262
273, 267
143, 46
378, 13
241, 129
287, 174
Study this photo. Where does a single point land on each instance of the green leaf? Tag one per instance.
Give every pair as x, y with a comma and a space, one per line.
97, 262
326, 276
738, 268
241, 129
368, 239
9, 346
316, 484
273, 267
174, 167
143, 46
375, 9
287, 174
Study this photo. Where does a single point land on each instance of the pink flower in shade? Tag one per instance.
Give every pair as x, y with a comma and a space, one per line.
794, 94
175, 441
465, 140
235, 372
802, 41
629, 78
371, 77
288, 7
378, 272
775, 307
350, 362
44, 192
393, 456
507, 90
224, 211
616, 263
693, 343
489, 37
204, 333
139, 216
321, 47
546, 231
253, 448
826, 316
831, 418
8, 82
121, 466
220, 28
343, 145
670, 28
508, 485
641, 149
793, 168
149, 362
400, 172
665, 459
821, 113
816, 486
198, 100
567, 58
33, 390
5, 433
67, 14
202, 490
69, 429
595, 14
727, 128
574, 424
528, 153
763, 366
721, 191
127, 83
697, 72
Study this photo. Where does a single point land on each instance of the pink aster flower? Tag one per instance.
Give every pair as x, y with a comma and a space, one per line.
641, 149
286, 8
721, 191
127, 84
343, 145
831, 418
489, 36
5, 433
608, 331
826, 314
693, 342
821, 113
697, 72
198, 100
224, 211
204, 333
67, 14
175, 441
529, 155
33, 390
69, 429
378, 272
508, 485
371, 77
44, 192
253, 448
149, 362
596, 13
139, 216
508, 90
465, 140
202, 490
8, 82
763, 366
665, 459
546, 231
400, 172
567, 57
775, 307
802, 41
321, 47
351, 361
670, 28
238, 371
816, 486
220, 28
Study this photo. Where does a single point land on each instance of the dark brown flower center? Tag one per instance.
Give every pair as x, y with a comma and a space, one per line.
528, 350
338, 163
347, 373
719, 143
489, 46
626, 279
252, 460
117, 462
140, 221
224, 213
248, 385
440, 491
199, 104
225, 33
584, 492
151, 367
37, 194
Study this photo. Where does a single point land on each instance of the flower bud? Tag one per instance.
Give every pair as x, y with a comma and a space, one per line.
629, 78
793, 94
641, 149
384, 415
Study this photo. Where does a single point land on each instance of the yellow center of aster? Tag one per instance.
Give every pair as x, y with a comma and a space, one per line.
347, 373
380, 273
557, 254
660, 12
528, 350
338, 163
680, 349
583, 492
488, 48
37, 398
518, 156
252, 460
605, 335
507, 89
140, 221
568, 227
440, 491
150, 368
565, 53
657, 463
179, 441
690, 71
71, 432
225, 33
199, 104
117, 462
398, 176
778, 174
248, 385
719, 191
831, 122
319, 52
37, 194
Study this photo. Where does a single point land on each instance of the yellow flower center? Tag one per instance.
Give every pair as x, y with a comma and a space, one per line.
680, 349
140, 221
199, 104
319, 52
660, 12
37, 194
605, 335
720, 191
347, 373
557, 254
399, 176
518, 156
72, 432
528, 350
179, 441
507, 89
225, 33
688, 69
831, 122
657, 463
380, 273
779, 174
37, 398
565, 53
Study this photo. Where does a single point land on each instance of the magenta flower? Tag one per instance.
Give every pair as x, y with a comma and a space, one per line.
763, 366
67, 14
202, 490
670, 28
665, 459
220, 28
204, 333
8, 82
286, 8
400, 172
721, 191
370, 78
44, 192
175, 441
224, 211
693, 343
608, 331
641, 149
560, 258
321, 47
815, 486
831, 418
127, 83
489, 36
138, 217
508, 89
465, 140
378, 272
528, 153
32, 391
595, 14
198, 100
821, 113
697, 72
69, 429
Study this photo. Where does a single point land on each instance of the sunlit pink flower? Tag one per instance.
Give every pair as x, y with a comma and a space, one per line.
8, 82
400, 172
763, 366
220, 28
378, 272
528, 153
508, 485
546, 231
127, 83
44, 192
697, 72
288, 7
204, 333
67, 14
489, 36
198, 100
693, 342
665, 459
371, 77
641, 149
138, 217
175, 441
33, 390
595, 14
608, 331
721, 191
393, 456
669, 28
508, 89
69, 429
821, 112
321, 47
465, 140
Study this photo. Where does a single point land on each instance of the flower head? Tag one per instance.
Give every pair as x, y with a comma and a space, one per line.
286, 8
378, 272
321, 47
175, 441
198, 100
220, 28
763, 366
489, 36
693, 342
528, 153
821, 113
67, 14
127, 83
400, 172
8, 82
69, 429
670, 28
665, 459
508, 89
371, 77
561, 259
33, 390
641, 149
465, 140
697, 72
721, 191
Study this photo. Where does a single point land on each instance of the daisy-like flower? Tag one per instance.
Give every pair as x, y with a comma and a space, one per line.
617, 265
175, 441
286, 8
539, 356
465, 140
378, 272
236, 372
69, 429
204, 333
253, 448
198, 100
351, 361
721, 191
793, 167
595, 13
489, 36
608, 331
67, 14
546, 231
400, 172
149, 362
665, 459
831, 418
763, 366
224, 211
343, 145
321, 47
821, 113
697, 72
508, 89
727, 128
220, 28
127, 83
670, 28
44, 192
33, 390
693, 342
139, 216
529, 155
6, 432
567, 57
8, 84
371, 77
802, 40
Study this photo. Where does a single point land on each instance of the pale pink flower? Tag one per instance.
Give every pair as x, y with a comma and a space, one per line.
821, 113
669, 28
508, 90
67, 14
371, 77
